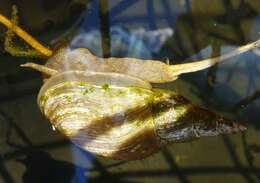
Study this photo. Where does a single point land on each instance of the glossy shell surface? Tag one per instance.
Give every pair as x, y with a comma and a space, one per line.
122, 117
109, 114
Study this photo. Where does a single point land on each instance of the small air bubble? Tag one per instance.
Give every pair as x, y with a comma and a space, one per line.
243, 106
53, 128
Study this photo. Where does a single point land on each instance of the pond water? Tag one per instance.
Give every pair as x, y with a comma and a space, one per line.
171, 31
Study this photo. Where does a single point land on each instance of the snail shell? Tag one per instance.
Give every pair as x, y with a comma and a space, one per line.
122, 117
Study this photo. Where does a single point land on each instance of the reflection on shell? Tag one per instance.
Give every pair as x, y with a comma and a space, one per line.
110, 120
122, 117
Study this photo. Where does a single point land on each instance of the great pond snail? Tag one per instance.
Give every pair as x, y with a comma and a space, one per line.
108, 106
117, 115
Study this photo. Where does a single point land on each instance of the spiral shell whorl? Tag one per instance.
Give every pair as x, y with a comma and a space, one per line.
177, 120
108, 120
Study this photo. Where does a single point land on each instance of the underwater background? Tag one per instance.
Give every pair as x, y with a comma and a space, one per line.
174, 31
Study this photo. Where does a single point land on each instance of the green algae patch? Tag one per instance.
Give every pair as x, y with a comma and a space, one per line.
69, 99
105, 87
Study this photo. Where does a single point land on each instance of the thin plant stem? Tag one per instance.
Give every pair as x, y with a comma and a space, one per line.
25, 36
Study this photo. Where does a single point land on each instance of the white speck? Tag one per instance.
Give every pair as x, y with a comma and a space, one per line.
215, 24
53, 127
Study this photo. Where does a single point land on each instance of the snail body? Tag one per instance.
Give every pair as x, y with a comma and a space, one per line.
123, 117
82, 59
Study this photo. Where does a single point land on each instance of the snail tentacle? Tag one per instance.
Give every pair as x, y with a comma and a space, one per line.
204, 64
40, 68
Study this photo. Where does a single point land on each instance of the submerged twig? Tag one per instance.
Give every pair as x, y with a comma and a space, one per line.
25, 36
246, 101
9, 45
